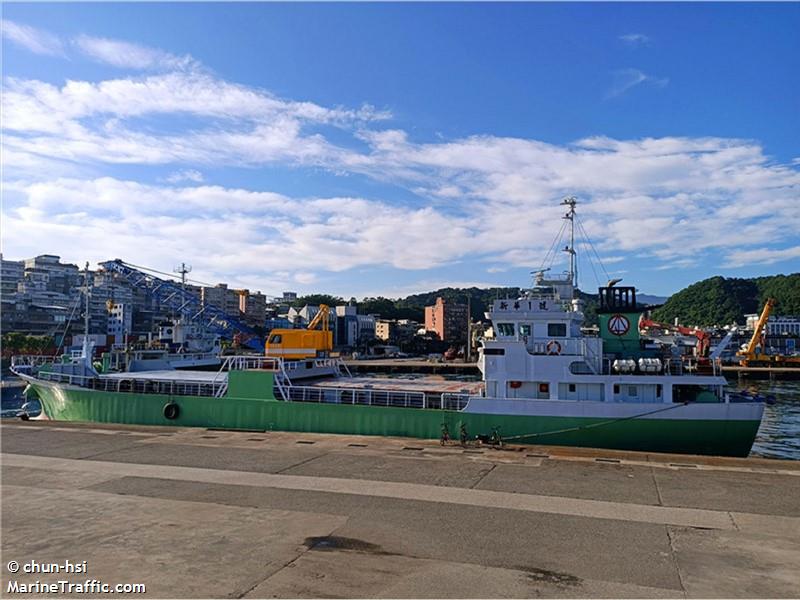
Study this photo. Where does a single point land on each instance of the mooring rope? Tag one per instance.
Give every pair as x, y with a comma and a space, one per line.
592, 425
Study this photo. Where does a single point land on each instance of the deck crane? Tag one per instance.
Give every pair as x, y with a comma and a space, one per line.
299, 344
703, 337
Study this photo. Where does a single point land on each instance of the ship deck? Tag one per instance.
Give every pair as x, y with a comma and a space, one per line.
431, 384
170, 375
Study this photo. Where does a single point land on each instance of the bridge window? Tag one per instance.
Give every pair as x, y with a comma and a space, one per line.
557, 330
495, 351
505, 329
525, 329
275, 339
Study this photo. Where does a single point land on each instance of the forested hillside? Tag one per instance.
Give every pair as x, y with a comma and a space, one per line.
721, 301
714, 301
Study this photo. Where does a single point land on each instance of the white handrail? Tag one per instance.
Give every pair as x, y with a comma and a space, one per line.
362, 396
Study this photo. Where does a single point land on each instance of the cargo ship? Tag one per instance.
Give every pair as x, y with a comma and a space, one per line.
544, 381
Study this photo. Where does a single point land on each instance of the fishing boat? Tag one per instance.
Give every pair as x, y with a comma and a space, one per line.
545, 380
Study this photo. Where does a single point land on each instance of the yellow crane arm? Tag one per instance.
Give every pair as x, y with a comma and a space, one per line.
762, 320
321, 317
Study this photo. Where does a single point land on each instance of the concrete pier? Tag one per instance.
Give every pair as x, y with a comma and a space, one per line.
208, 513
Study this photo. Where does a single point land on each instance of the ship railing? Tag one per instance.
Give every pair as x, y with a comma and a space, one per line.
137, 385
676, 367
245, 361
32, 360
282, 381
194, 355
241, 363
453, 401
293, 365
356, 396
317, 363
342, 369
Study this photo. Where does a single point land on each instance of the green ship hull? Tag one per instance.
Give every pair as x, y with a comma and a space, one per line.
250, 404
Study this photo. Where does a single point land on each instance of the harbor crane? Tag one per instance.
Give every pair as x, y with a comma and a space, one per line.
299, 344
753, 355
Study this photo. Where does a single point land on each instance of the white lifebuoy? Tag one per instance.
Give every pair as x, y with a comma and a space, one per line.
553, 347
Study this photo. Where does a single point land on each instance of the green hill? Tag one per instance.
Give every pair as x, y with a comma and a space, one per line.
721, 301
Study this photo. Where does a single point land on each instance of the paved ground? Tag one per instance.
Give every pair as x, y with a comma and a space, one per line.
200, 513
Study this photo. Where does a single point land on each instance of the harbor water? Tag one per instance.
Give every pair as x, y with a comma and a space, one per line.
778, 437
779, 434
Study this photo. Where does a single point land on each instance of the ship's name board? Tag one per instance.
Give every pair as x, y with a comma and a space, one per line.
527, 305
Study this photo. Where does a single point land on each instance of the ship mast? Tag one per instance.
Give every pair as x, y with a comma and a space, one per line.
183, 270
571, 201
87, 294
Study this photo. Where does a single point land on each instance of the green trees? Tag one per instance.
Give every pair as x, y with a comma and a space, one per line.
721, 301
714, 301
20, 343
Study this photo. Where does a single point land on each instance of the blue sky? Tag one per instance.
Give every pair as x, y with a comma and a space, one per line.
366, 149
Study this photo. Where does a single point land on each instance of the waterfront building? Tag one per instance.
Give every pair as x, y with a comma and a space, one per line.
253, 307
395, 329
45, 295
11, 273
21, 315
777, 325
49, 272
277, 323
222, 297
448, 320
120, 321
352, 329
385, 329
108, 290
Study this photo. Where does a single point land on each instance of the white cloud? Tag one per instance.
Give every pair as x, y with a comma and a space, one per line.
305, 277
32, 39
626, 79
94, 122
127, 55
675, 200
635, 39
761, 256
144, 223
185, 175
483, 199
